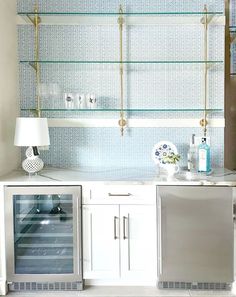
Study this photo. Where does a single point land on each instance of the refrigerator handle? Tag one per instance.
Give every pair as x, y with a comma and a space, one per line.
160, 236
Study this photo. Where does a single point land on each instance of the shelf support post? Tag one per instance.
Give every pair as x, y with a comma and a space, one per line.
204, 121
37, 66
122, 121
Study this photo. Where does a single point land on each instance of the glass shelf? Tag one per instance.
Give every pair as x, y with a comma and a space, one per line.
126, 110
139, 18
201, 13
118, 62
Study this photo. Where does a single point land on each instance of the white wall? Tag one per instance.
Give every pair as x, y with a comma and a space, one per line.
9, 155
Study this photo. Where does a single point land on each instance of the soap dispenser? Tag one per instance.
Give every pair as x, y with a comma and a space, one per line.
204, 156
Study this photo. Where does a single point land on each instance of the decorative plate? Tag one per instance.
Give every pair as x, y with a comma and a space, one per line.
161, 150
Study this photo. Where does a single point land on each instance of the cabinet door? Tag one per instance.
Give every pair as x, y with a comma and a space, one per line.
138, 242
43, 233
101, 241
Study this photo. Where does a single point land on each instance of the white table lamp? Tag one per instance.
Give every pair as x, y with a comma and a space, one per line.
32, 132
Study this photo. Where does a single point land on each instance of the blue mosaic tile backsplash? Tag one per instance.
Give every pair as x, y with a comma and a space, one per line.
233, 32
146, 86
112, 6
104, 147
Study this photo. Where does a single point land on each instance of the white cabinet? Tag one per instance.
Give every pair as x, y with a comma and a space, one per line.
101, 241
119, 242
138, 241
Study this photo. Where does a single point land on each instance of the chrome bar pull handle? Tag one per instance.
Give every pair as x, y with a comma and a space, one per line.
125, 228
115, 229
119, 195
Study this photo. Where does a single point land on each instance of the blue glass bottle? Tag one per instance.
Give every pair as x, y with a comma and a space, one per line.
204, 157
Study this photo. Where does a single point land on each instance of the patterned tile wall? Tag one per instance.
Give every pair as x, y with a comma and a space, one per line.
104, 147
112, 6
233, 32
146, 86
232, 13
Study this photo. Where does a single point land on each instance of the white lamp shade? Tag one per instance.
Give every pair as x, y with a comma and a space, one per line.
31, 132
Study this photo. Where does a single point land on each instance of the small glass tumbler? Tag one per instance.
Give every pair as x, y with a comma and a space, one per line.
91, 101
80, 101
54, 94
69, 100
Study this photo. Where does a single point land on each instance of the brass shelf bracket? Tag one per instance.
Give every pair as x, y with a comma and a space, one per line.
207, 18
205, 21
209, 66
36, 20
122, 122
33, 65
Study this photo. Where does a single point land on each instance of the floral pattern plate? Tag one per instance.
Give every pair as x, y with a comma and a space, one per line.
161, 150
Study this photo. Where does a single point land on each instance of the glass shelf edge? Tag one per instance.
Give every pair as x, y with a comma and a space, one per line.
130, 19
118, 62
176, 13
126, 110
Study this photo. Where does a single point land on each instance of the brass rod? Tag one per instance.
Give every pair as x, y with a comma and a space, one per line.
205, 69
37, 65
122, 121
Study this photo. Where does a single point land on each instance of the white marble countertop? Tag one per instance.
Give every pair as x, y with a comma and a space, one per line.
149, 176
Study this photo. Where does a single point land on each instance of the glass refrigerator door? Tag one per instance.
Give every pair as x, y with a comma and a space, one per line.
43, 234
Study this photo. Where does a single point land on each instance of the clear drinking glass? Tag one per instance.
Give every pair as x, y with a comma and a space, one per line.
69, 100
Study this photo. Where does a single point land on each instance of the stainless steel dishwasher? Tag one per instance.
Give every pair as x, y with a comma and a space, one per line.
195, 237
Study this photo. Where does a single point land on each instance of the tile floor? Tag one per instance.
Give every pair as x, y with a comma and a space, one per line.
127, 292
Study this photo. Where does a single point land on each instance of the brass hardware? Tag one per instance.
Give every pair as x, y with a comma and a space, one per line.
33, 65
206, 19
36, 20
36, 23
34, 112
210, 66
122, 122
203, 121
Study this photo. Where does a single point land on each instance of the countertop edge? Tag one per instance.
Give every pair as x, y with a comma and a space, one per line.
134, 176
